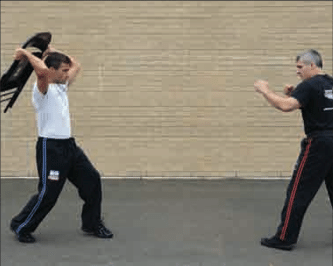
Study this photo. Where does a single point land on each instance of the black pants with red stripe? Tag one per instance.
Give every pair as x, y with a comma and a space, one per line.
313, 167
58, 160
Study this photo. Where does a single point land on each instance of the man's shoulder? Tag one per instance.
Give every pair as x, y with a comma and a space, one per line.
320, 78
320, 82
328, 78
52, 87
59, 86
308, 83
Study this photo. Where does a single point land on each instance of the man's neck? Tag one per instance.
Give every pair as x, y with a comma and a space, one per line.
318, 73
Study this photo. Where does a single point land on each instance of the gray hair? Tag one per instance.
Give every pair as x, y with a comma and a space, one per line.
310, 56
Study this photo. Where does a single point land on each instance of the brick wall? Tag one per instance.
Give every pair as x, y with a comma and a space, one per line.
167, 87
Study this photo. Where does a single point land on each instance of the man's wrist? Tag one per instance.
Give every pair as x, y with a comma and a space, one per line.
45, 54
25, 52
265, 92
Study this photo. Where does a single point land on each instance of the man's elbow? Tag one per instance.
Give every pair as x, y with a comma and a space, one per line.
79, 67
286, 108
76, 69
43, 72
75, 65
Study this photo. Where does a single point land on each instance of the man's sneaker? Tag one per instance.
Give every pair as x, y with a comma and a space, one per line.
24, 237
275, 242
101, 231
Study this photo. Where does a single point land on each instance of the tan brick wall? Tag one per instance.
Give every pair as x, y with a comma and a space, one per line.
167, 87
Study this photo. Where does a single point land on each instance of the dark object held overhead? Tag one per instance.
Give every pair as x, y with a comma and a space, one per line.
14, 79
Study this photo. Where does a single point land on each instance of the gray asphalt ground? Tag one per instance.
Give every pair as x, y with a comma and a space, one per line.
168, 223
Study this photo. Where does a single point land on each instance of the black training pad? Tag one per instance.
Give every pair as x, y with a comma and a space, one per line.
19, 72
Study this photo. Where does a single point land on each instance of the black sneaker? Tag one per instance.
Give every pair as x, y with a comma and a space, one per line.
275, 242
101, 231
24, 237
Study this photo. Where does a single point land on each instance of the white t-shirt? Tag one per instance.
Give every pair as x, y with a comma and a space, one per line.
52, 111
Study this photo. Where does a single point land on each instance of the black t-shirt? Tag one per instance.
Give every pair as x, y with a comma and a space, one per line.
316, 98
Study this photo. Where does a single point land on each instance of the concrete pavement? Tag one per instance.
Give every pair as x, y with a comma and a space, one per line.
168, 223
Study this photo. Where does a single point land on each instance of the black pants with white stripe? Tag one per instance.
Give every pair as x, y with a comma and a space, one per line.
313, 167
58, 160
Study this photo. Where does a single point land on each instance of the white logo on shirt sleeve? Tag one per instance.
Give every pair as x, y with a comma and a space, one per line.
329, 94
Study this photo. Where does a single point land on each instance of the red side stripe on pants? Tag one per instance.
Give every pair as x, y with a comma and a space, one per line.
293, 193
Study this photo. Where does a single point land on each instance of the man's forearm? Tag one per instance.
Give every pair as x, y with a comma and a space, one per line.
75, 63
274, 99
38, 64
285, 104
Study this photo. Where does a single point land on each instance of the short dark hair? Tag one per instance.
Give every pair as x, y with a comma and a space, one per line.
55, 59
310, 56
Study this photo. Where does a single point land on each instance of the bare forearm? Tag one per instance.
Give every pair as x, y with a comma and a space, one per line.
74, 63
75, 66
285, 104
38, 64
74, 70
274, 99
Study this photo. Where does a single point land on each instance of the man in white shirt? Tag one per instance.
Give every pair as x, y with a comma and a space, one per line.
58, 156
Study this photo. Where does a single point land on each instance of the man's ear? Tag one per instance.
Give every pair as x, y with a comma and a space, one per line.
313, 65
52, 69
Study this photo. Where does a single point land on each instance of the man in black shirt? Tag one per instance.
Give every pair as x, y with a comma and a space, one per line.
314, 96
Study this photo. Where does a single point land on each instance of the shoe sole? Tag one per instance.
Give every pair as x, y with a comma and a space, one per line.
282, 247
23, 241
89, 233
